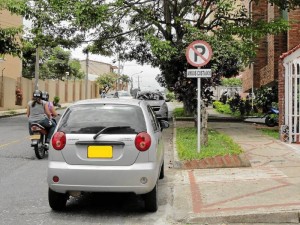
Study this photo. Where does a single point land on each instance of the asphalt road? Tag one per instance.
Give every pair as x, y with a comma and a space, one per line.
24, 189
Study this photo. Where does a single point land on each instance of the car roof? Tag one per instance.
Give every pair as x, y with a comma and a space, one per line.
109, 100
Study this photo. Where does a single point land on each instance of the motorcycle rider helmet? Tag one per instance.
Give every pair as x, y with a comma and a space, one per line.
45, 96
37, 94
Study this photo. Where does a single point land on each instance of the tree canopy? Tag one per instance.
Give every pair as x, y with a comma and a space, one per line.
8, 41
55, 63
154, 32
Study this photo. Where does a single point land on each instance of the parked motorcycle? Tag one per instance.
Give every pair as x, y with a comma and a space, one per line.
38, 140
271, 117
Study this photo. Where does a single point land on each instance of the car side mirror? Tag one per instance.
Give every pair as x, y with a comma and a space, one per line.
164, 124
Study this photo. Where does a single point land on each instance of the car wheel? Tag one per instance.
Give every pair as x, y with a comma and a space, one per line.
151, 201
162, 171
57, 201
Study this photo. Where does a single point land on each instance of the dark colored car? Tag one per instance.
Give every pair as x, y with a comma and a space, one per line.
157, 101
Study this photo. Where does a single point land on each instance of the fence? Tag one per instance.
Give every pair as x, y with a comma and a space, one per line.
15, 94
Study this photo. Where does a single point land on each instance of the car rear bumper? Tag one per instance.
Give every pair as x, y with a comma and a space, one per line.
91, 178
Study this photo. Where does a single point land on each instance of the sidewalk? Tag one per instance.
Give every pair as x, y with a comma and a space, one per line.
15, 112
266, 192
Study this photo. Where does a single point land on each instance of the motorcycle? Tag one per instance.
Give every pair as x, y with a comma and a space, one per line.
38, 140
271, 117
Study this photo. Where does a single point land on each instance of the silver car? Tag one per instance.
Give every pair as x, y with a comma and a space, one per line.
106, 145
122, 95
157, 101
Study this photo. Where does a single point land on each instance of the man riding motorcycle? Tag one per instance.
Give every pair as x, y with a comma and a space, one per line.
38, 112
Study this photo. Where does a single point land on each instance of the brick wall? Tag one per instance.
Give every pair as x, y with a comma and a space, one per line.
286, 43
294, 32
260, 12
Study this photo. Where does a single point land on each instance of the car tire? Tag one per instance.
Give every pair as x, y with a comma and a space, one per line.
57, 201
151, 200
162, 171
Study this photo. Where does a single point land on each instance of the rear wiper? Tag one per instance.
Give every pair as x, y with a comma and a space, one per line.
109, 128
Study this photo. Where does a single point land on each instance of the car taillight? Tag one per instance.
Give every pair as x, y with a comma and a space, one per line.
59, 140
142, 141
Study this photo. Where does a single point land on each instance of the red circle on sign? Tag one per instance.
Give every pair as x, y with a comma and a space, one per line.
193, 54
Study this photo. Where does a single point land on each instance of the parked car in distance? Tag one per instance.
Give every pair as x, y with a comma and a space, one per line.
157, 101
106, 145
110, 95
123, 95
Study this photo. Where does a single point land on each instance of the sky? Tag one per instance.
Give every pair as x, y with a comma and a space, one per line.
144, 74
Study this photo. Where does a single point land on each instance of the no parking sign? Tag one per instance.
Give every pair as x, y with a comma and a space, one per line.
198, 53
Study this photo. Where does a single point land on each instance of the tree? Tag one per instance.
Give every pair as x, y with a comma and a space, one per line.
155, 32
285, 4
55, 63
107, 81
158, 33
8, 41
124, 80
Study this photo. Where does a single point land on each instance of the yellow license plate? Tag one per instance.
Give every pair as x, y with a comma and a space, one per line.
99, 152
35, 137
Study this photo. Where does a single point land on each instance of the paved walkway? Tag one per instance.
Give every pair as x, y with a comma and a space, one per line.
266, 192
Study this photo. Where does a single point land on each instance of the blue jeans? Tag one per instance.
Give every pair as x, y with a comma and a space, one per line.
48, 124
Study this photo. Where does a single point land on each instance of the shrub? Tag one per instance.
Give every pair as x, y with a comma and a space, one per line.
170, 96
222, 108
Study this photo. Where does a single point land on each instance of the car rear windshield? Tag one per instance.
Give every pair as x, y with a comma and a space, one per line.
90, 119
150, 96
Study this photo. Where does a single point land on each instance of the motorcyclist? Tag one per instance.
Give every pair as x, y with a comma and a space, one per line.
45, 97
38, 112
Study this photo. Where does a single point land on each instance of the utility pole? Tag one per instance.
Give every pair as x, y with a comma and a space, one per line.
37, 68
87, 74
119, 70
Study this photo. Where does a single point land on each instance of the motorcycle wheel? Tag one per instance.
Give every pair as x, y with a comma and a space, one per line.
270, 122
39, 150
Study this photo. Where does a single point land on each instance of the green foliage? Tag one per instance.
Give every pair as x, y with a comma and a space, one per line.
231, 82
8, 41
170, 96
266, 96
222, 108
56, 100
274, 133
218, 144
55, 63
180, 112
286, 4
106, 81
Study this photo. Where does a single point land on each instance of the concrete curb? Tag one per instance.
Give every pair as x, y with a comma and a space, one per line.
255, 217
227, 161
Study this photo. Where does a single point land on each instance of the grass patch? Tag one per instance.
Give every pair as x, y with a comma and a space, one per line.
218, 144
271, 132
179, 112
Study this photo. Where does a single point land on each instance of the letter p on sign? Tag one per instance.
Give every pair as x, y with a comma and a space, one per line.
198, 53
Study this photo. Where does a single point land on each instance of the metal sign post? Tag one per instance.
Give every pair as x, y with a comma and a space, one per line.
198, 54
199, 114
